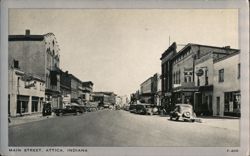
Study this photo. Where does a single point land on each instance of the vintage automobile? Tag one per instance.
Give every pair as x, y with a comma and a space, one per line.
183, 112
146, 109
132, 108
72, 108
47, 110
91, 106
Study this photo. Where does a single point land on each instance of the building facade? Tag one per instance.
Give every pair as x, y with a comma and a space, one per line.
146, 91
104, 98
26, 93
76, 89
87, 90
150, 91
166, 75
65, 88
183, 72
226, 99
43, 60
188, 75
204, 67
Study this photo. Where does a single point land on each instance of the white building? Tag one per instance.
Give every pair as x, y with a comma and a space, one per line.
26, 93
226, 99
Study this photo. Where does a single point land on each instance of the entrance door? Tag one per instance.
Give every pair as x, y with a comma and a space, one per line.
218, 105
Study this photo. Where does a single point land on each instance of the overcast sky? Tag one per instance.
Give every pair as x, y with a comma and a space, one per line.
118, 49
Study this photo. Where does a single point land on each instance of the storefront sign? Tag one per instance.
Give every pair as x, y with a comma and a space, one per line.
168, 94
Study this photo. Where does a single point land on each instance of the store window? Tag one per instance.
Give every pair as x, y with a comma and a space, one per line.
221, 75
22, 104
9, 104
34, 106
232, 103
238, 70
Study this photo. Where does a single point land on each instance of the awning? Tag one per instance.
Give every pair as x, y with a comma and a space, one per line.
185, 89
206, 88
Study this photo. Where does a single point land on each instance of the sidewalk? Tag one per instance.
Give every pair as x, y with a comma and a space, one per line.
27, 118
232, 123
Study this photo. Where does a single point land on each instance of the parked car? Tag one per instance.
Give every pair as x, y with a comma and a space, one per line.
47, 109
146, 109
183, 112
91, 106
70, 109
132, 108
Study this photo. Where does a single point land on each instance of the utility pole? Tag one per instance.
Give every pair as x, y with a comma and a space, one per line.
169, 41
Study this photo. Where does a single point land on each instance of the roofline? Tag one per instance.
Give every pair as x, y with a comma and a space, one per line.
86, 82
227, 56
193, 44
29, 37
71, 75
20, 72
26, 37
171, 48
146, 80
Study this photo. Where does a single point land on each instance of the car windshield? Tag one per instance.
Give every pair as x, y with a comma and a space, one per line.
68, 107
186, 108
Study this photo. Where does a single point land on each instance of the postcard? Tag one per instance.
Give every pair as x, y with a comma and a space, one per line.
124, 77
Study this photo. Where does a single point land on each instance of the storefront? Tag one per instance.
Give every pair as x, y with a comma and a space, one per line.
203, 100
184, 95
232, 103
22, 105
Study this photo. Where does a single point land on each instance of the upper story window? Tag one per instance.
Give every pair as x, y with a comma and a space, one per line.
221, 75
16, 64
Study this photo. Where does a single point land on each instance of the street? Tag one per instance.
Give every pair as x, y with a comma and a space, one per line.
119, 128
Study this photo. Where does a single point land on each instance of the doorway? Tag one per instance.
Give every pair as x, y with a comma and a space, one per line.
218, 105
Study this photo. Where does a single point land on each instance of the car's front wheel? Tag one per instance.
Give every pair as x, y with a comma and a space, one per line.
177, 118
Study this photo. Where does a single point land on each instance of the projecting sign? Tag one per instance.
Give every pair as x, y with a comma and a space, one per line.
200, 72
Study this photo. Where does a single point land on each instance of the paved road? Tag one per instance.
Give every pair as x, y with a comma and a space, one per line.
121, 128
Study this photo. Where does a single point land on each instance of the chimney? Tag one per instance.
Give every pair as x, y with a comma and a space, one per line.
27, 32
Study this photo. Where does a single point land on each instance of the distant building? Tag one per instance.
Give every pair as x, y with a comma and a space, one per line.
104, 98
227, 96
76, 89
65, 87
87, 90
149, 90
26, 93
38, 55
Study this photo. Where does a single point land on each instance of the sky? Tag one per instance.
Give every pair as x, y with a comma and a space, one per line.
118, 49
